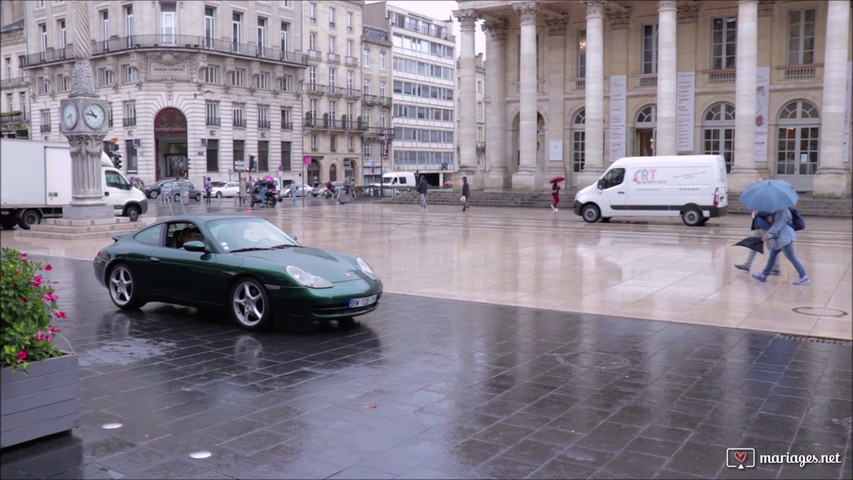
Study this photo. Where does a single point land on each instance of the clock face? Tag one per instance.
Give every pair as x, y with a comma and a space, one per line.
94, 116
69, 115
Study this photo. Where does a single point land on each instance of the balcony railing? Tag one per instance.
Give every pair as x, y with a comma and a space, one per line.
13, 82
238, 122
334, 90
314, 88
212, 122
10, 119
351, 61
352, 93
160, 41
128, 122
44, 128
722, 77
327, 123
263, 124
333, 58
376, 100
799, 72
287, 125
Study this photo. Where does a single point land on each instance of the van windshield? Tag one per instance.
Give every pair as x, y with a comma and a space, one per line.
388, 180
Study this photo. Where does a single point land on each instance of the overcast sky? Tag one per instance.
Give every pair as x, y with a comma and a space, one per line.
441, 10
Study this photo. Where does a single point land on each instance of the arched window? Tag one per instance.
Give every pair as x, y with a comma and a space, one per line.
333, 173
718, 132
645, 126
578, 140
798, 142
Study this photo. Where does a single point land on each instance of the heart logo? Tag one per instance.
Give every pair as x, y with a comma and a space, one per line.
740, 456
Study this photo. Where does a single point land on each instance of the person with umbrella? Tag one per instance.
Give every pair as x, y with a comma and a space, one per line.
776, 196
555, 192
759, 226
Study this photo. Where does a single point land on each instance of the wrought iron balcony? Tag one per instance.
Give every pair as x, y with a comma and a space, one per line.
128, 122
12, 119
212, 122
287, 125
263, 124
368, 99
13, 82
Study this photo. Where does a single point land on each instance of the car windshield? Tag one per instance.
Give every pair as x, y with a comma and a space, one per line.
250, 233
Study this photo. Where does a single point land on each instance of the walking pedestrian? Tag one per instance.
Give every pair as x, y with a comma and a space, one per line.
466, 194
555, 194
759, 228
207, 188
423, 186
784, 237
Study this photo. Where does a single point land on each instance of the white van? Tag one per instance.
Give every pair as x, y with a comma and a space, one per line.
397, 181
690, 186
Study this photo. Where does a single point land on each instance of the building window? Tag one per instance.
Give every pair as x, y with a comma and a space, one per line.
382, 89
331, 17
350, 143
237, 114
43, 31
129, 114
286, 83
263, 116
209, 26
7, 66
60, 31
312, 13
131, 156
313, 142
798, 139
333, 77
312, 78
105, 27
723, 43
239, 149
365, 87
40, 4
9, 103
286, 148
262, 34
212, 155
285, 29
128, 25
349, 22
582, 54
718, 132
211, 74
168, 25
238, 77
263, 156
110, 116
350, 82
264, 81
129, 74
382, 60
801, 37
236, 31
650, 49
63, 83
106, 77
333, 143
211, 113
286, 119
284, 3
365, 57
45, 120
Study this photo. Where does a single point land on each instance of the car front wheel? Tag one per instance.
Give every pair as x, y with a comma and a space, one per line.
590, 213
218, 194
123, 289
250, 304
154, 194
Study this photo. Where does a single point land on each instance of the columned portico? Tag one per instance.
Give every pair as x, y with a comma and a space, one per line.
667, 71
525, 177
468, 102
832, 179
594, 92
496, 135
743, 171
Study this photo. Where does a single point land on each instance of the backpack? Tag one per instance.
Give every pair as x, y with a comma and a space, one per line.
797, 222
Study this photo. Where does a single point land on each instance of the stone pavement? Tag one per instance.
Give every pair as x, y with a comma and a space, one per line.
455, 377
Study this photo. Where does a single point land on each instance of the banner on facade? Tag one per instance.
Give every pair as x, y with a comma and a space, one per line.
618, 119
845, 138
555, 151
762, 96
684, 111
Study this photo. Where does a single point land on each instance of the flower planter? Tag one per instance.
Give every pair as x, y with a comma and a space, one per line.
43, 402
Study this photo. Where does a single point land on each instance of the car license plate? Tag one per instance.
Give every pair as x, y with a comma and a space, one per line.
362, 302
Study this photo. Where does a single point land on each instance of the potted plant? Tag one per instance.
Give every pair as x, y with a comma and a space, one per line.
39, 383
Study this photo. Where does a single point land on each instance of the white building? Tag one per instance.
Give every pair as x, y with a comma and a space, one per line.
376, 102
423, 64
572, 86
196, 88
14, 108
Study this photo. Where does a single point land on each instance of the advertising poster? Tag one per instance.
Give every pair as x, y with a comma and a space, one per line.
618, 119
684, 109
762, 95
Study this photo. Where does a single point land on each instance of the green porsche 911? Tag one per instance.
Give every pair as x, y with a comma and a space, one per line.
237, 261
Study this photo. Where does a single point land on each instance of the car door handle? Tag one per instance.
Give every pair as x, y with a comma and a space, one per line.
621, 193
106, 194
155, 260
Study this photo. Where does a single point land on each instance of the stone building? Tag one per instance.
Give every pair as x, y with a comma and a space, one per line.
480, 111
376, 102
197, 89
14, 109
572, 86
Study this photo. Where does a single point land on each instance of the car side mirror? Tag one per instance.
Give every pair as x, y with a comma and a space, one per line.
601, 184
194, 246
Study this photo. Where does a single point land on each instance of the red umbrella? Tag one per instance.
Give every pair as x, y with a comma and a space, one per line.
556, 179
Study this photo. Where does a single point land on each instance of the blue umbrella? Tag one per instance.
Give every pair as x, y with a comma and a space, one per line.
769, 196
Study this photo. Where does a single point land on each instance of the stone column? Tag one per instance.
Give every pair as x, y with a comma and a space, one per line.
743, 171
496, 134
594, 93
667, 78
524, 178
467, 100
555, 75
833, 175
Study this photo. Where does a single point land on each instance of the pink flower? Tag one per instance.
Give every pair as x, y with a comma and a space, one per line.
39, 336
37, 282
48, 267
24, 299
53, 329
60, 314
22, 355
24, 257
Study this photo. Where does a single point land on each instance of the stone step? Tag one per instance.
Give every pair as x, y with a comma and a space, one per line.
64, 229
807, 205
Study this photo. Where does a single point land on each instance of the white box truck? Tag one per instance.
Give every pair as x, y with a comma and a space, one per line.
35, 183
693, 187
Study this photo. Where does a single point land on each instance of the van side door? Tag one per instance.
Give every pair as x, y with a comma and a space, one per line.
117, 190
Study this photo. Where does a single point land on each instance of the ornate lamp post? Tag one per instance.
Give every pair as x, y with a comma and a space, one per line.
84, 122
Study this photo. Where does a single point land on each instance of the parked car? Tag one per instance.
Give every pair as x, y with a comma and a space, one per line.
173, 190
225, 189
302, 190
153, 191
237, 262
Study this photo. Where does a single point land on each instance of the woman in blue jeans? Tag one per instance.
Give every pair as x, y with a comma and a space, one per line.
784, 237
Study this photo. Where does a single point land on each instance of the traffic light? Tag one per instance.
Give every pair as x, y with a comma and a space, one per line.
252, 164
185, 167
117, 160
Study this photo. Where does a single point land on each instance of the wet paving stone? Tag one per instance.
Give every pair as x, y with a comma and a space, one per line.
467, 390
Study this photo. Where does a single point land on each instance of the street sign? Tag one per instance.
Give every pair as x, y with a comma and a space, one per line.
373, 163
229, 171
240, 165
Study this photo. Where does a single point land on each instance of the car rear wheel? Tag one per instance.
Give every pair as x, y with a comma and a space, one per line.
692, 217
123, 289
198, 197
29, 218
590, 213
250, 304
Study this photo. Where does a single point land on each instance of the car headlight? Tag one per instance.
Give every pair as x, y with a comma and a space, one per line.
366, 269
308, 279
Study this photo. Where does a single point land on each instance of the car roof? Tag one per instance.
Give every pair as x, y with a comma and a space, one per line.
206, 217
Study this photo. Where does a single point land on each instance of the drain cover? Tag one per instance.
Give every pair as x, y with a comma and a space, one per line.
800, 338
820, 312
593, 360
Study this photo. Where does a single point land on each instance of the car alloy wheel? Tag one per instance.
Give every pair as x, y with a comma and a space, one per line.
122, 286
250, 304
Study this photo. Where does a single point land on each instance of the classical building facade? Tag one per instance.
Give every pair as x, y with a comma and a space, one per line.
573, 86
14, 108
376, 102
423, 67
197, 89
331, 90
479, 111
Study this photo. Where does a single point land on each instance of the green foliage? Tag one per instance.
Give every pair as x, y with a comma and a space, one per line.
28, 308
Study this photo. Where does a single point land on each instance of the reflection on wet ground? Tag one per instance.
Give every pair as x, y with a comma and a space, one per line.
436, 388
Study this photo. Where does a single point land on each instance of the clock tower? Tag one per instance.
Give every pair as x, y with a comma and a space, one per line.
84, 121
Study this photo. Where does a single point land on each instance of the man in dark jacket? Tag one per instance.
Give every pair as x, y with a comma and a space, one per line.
423, 186
759, 227
466, 194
